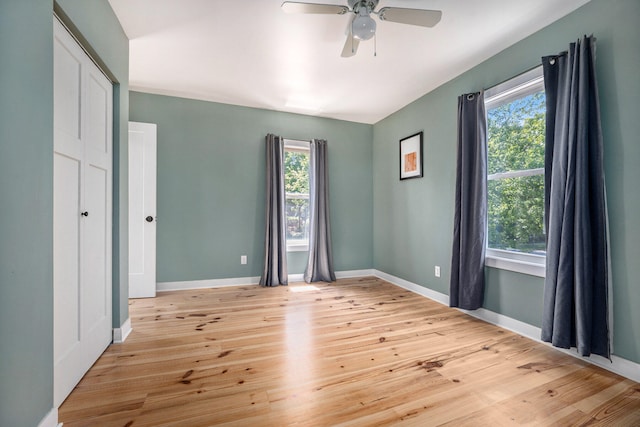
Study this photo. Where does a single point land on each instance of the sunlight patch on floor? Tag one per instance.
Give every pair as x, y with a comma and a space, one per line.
303, 288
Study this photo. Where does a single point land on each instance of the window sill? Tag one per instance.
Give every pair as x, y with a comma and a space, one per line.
303, 247
518, 266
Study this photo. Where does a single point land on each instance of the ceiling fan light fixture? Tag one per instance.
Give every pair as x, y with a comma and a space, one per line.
363, 27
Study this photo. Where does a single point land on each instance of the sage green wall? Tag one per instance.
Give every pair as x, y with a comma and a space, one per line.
26, 242
26, 191
211, 191
413, 220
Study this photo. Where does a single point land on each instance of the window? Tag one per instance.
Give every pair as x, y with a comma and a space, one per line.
515, 174
296, 177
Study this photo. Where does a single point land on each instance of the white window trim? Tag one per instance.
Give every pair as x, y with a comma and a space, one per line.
301, 245
531, 264
524, 84
296, 144
297, 245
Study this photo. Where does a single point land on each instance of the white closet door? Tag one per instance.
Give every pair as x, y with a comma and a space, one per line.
83, 105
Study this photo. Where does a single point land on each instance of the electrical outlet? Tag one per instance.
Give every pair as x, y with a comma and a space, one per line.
243, 259
437, 271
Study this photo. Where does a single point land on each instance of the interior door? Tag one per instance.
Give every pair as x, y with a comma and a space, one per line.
82, 169
142, 210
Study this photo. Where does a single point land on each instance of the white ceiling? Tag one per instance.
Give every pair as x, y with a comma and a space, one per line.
249, 52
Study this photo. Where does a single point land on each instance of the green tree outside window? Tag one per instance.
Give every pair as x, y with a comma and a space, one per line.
516, 175
296, 169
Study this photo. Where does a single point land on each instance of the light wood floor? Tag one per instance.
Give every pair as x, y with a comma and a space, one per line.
358, 352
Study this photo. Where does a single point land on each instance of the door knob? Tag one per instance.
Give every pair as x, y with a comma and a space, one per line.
85, 213
149, 218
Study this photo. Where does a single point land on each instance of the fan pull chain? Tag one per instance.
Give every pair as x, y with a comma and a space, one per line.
375, 45
351, 34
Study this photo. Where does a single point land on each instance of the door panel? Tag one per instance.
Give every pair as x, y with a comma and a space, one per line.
136, 204
66, 255
95, 248
142, 207
67, 83
97, 116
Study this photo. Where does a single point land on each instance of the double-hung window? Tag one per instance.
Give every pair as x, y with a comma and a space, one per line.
296, 174
515, 174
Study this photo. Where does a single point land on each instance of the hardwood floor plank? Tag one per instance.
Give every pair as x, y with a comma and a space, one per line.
351, 353
622, 409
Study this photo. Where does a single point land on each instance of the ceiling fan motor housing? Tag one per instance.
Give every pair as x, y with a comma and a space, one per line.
357, 5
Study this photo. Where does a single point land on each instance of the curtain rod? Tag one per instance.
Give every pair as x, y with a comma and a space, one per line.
539, 65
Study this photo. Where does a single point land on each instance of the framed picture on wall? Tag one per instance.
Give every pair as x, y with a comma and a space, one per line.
411, 156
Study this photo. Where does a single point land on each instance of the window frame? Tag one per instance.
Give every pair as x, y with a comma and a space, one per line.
520, 86
300, 146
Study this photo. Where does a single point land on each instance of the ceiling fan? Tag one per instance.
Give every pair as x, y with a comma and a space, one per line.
362, 26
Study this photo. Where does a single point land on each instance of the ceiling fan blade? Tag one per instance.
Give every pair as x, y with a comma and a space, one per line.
350, 47
330, 9
423, 18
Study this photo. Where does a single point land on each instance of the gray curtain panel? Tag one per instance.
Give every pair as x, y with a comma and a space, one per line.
470, 220
575, 311
275, 243
320, 263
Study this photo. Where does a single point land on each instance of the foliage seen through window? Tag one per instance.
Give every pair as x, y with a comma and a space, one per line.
516, 175
296, 168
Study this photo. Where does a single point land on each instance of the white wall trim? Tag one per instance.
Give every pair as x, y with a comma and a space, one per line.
347, 274
203, 284
51, 419
618, 365
296, 278
420, 290
120, 334
298, 247
505, 322
242, 281
519, 266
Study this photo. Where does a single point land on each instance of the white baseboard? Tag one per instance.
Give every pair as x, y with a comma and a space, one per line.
293, 278
505, 322
241, 281
347, 274
203, 284
420, 290
120, 334
51, 419
618, 365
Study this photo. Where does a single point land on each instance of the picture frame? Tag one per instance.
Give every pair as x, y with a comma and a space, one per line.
411, 156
